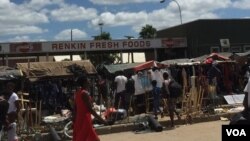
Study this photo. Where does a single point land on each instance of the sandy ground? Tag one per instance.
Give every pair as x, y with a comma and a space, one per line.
206, 131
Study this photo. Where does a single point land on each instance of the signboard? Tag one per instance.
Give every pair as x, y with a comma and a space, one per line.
93, 45
168, 43
224, 43
25, 47
234, 99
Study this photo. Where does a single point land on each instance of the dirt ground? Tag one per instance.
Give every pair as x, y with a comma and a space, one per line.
205, 131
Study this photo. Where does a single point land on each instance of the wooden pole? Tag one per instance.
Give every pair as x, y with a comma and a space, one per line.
36, 120
40, 112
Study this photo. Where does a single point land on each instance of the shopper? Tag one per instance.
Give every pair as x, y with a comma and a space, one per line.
175, 91
156, 99
120, 87
11, 126
11, 96
83, 127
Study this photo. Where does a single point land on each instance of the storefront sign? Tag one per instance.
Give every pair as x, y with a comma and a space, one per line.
25, 47
93, 45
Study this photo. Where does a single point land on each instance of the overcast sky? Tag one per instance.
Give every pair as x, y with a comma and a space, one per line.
50, 20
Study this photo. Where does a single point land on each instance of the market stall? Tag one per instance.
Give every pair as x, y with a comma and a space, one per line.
205, 80
56, 69
49, 86
10, 74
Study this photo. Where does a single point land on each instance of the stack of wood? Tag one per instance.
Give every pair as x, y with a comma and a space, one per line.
193, 100
30, 113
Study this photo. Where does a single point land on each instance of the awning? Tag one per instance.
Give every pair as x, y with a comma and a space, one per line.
148, 65
120, 67
177, 61
243, 54
220, 56
55, 69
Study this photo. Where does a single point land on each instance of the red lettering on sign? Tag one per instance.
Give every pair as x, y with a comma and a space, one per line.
148, 44
91, 45
135, 44
110, 45
73, 46
68, 46
54, 46
116, 45
168, 43
103, 45
60, 46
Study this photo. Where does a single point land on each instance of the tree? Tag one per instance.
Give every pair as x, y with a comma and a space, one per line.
103, 36
98, 59
147, 32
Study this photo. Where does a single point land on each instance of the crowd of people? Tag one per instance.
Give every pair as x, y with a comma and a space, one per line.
132, 90
127, 91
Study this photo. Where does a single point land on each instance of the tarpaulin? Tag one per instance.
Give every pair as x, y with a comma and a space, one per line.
148, 65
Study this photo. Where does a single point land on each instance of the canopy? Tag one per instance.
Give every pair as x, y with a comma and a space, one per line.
120, 67
148, 65
55, 69
200, 58
243, 54
183, 61
7, 73
220, 56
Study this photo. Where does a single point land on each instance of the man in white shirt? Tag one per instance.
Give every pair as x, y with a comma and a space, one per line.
120, 83
12, 98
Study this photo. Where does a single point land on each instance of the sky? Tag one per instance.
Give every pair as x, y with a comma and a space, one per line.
53, 20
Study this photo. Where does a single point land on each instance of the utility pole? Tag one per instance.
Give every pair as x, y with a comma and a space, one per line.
101, 25
132, 55
162, 1
71, 35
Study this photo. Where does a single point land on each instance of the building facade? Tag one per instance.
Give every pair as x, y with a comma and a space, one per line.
207, 36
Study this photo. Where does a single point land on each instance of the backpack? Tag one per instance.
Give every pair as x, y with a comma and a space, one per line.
175, 89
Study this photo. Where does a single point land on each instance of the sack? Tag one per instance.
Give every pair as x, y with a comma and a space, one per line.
175, 89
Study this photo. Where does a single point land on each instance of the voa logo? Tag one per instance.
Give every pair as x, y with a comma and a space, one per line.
236, 132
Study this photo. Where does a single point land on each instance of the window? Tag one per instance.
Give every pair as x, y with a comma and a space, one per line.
214, 49
246, 48
236, 49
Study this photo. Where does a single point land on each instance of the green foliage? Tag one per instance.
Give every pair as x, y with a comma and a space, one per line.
103, 36
147, 32
102, 58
